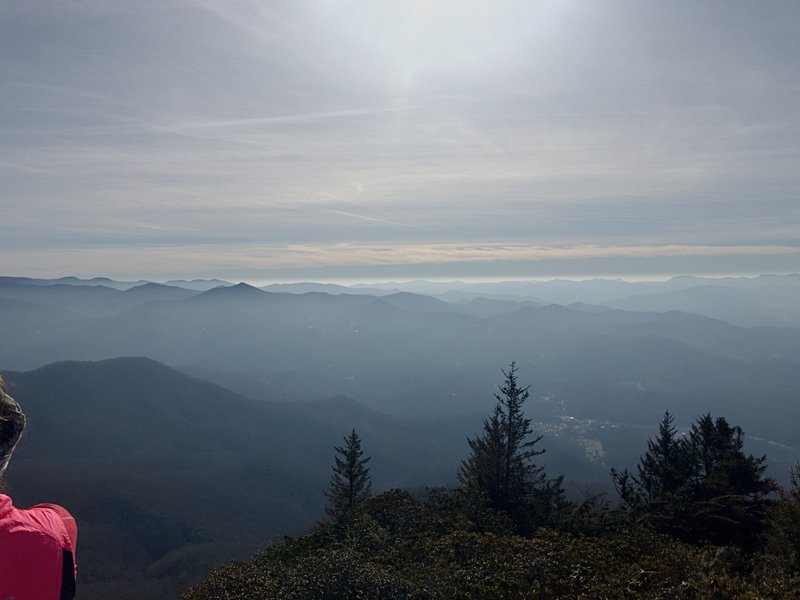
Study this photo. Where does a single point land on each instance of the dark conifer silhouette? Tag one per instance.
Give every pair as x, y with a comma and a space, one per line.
702, 488
663, 471
350, 483
499, 466
729, 491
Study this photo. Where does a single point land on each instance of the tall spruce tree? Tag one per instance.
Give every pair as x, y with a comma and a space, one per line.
666, 464
659, 492
351, 483
499, 466
663, 470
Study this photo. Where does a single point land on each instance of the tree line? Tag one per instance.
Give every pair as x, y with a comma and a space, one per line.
700, 488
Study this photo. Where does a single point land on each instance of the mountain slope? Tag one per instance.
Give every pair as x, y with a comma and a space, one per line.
169, 475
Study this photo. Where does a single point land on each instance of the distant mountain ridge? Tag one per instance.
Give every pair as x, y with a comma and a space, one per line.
765, 300
401, 353
104, 281
327, 288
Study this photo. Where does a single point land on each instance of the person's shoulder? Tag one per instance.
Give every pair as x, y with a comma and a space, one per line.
40, 522
65, 523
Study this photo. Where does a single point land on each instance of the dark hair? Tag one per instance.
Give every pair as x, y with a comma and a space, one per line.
3, 393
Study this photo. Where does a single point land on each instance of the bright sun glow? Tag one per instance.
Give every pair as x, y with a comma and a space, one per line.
418, 35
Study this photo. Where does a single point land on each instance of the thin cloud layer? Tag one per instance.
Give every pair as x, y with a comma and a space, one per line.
359, 136
363, 261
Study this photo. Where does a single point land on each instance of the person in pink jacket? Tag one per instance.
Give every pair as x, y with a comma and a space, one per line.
37, 545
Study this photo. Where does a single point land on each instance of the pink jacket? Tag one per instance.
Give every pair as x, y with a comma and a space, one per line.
37, 552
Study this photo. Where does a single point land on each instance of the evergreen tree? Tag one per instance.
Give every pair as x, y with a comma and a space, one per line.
659, 491
350, 483
702, 489
663, 471
729, 493
666, 464
499, 466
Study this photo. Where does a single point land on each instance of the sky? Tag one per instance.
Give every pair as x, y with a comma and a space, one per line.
371, 139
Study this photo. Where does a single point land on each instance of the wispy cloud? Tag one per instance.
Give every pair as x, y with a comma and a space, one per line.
361, 216
258, 261
279, 120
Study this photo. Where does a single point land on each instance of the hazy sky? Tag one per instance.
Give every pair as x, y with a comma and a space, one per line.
324, 139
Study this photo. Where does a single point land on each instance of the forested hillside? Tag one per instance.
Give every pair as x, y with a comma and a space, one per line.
169, 475
698, 519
